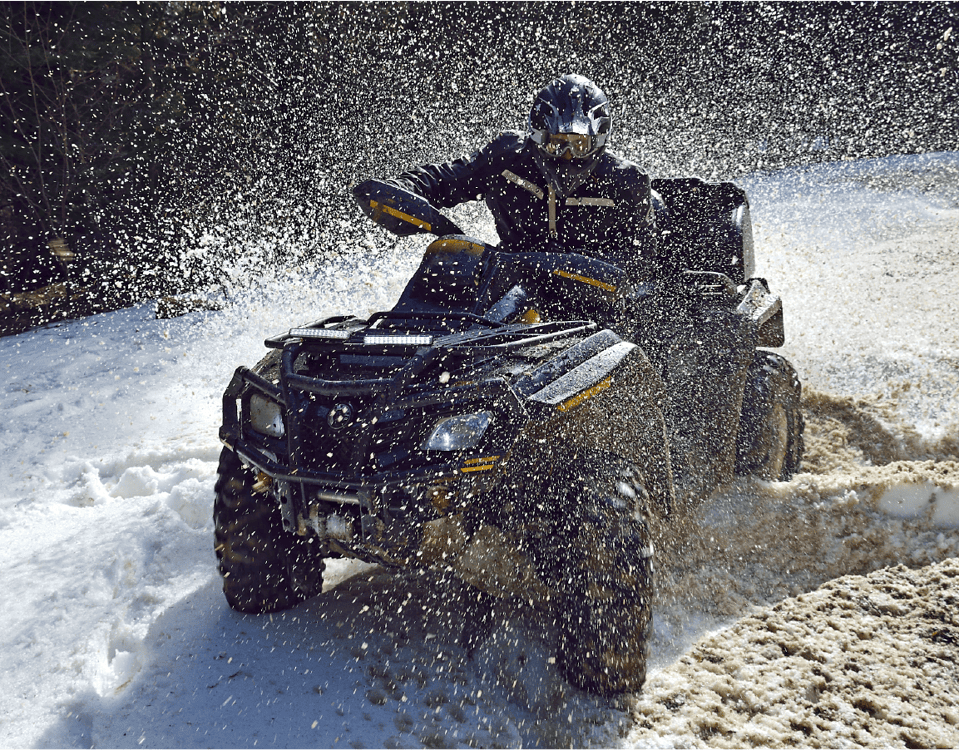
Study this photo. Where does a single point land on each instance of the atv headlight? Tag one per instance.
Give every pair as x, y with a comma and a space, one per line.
458, 433
266, 417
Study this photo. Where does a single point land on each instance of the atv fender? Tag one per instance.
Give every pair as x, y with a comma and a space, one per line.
621, 415
634, 398
766, 312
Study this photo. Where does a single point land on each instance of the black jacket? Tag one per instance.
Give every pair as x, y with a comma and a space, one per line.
610, 216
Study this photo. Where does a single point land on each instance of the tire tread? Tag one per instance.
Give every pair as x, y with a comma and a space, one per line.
254, 554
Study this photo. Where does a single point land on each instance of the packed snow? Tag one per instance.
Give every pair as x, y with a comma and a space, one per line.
815, 612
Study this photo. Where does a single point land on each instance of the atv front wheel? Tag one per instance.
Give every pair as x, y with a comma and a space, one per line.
770, 442
604, 574
264, 568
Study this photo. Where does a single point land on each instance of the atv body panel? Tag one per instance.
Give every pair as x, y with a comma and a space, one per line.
359, 402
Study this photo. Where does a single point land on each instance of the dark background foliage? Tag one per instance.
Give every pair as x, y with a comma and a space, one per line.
155, 137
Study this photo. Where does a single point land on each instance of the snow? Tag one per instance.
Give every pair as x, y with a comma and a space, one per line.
819, 611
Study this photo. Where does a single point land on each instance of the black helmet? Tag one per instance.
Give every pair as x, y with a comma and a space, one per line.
569, 125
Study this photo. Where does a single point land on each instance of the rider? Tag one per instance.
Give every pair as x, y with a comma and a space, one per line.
556, 187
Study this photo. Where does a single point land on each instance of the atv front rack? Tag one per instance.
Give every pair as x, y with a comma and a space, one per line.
363, 454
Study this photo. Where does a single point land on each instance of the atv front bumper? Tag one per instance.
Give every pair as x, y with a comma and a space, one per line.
353, 500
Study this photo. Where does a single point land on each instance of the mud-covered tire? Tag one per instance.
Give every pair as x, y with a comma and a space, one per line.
601, 567
264, 568
770, 441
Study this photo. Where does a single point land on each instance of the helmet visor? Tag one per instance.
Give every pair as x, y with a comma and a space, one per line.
579, 145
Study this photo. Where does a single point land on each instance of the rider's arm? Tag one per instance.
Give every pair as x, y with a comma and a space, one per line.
465, 179
632, 243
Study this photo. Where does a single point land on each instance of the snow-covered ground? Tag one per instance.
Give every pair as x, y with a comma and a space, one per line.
782, 615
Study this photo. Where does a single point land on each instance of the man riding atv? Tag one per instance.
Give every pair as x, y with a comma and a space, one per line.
555, 188
527, 415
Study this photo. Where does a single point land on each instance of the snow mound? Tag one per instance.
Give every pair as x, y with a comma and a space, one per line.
863, 661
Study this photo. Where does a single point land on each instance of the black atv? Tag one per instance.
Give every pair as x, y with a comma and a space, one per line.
522, 419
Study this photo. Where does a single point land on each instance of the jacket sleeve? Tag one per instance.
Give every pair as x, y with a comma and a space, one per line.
465, 179
640, 233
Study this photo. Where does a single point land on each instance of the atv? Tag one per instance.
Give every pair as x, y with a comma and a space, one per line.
522, 419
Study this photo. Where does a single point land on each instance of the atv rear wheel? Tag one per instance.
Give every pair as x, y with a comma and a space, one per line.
770, 442
264, 568
603, 571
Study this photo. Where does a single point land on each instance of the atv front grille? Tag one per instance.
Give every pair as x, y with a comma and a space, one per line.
376, 440
357, 414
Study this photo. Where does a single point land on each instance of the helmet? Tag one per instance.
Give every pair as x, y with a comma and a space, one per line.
569, 125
